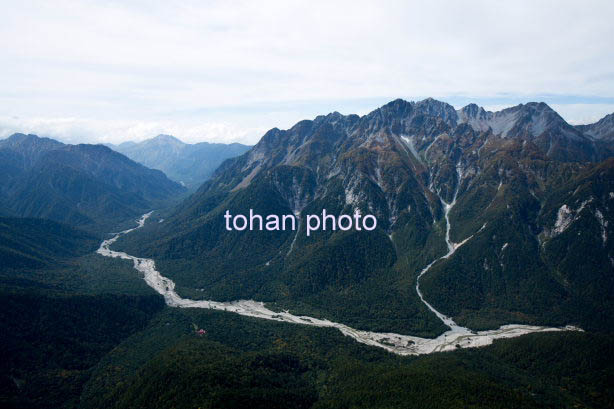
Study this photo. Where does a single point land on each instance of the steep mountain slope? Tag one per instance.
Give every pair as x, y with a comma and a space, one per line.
35, 243
510, 268
498, 174
190, 164
602, 129
85, 185
535, 122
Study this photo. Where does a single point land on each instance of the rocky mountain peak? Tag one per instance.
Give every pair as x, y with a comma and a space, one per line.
401, 110
411, 128
532, 118
440, 109
601, 130
163, 138
472, 111
21, 141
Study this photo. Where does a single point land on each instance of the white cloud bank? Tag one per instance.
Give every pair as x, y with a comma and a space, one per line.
77, 130
209, 70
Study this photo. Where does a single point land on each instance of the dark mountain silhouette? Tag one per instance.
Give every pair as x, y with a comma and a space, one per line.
84, 185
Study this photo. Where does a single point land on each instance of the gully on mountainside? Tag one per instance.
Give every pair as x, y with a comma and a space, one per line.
456, 337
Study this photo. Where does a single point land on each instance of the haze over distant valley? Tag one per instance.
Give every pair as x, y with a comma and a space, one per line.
188, 164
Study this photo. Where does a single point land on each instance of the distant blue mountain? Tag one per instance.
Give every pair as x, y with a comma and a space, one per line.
189, 164
84, 185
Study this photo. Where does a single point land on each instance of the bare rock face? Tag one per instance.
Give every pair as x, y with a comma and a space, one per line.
500, 178
602, 130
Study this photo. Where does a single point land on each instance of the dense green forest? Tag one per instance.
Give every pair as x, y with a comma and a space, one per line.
243, 362
90, 186
531, 235
112, 343
62, 308
50, 343
35, 243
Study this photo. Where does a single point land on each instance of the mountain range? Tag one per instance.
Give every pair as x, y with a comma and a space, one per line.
601, 130
530, 202
89, 186
188, 164
508, 214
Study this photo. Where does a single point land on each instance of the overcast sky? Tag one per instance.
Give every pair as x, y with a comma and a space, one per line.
94, 71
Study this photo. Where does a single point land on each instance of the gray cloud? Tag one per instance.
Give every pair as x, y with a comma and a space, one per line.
209, 70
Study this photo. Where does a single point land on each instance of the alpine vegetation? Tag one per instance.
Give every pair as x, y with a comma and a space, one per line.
314, 222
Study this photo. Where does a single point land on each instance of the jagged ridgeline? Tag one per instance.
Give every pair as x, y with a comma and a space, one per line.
531, 194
